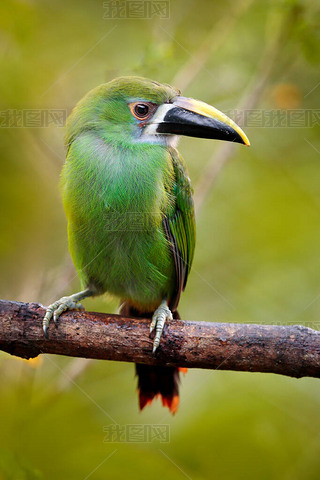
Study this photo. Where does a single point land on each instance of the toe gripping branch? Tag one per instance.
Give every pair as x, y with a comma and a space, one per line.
158, 321
65, 303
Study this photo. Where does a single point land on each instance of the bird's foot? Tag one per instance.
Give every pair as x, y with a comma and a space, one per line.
57, 308
159, 318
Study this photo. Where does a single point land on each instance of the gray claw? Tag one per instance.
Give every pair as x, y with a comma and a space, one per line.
45, 331
159, 318
56, 309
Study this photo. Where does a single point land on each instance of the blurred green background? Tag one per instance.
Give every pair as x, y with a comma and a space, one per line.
257, 258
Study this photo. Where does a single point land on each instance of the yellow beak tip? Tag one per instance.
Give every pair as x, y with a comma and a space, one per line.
245, 139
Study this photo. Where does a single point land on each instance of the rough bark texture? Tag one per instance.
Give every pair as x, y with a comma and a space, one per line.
286, 350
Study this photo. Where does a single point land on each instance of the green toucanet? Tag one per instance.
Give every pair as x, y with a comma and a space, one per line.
128, 200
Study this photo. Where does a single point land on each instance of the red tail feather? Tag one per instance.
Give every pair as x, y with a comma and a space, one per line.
154, 381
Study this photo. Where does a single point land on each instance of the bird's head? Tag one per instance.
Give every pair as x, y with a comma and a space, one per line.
135, 109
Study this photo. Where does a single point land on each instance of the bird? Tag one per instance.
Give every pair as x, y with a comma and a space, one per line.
129, 204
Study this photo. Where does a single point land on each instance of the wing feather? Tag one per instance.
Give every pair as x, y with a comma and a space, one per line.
179, 227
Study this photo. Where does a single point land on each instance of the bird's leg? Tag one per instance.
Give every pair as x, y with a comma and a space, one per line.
159, 318
65, 303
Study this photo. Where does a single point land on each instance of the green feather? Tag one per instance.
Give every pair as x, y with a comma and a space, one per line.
117, 194
182, 224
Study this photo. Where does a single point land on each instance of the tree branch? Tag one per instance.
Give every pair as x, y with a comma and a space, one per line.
286, 350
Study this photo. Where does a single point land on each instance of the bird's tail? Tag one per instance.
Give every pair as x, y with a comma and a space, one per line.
153, 380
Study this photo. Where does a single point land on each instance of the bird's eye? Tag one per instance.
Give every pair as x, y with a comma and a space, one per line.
141, 110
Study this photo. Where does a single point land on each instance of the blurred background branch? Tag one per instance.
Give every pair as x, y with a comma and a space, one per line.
279, 27
209, 46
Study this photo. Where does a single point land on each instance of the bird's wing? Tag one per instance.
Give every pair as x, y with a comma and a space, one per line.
180, 227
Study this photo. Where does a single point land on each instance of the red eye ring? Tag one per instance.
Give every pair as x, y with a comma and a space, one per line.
142, 110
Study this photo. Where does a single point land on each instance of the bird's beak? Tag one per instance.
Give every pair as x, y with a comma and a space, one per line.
193, 118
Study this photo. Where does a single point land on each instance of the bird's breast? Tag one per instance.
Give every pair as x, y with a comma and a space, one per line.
110, 187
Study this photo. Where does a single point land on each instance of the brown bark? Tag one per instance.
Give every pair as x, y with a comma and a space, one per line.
286, 350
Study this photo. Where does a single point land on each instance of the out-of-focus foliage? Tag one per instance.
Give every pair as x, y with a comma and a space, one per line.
257, 257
